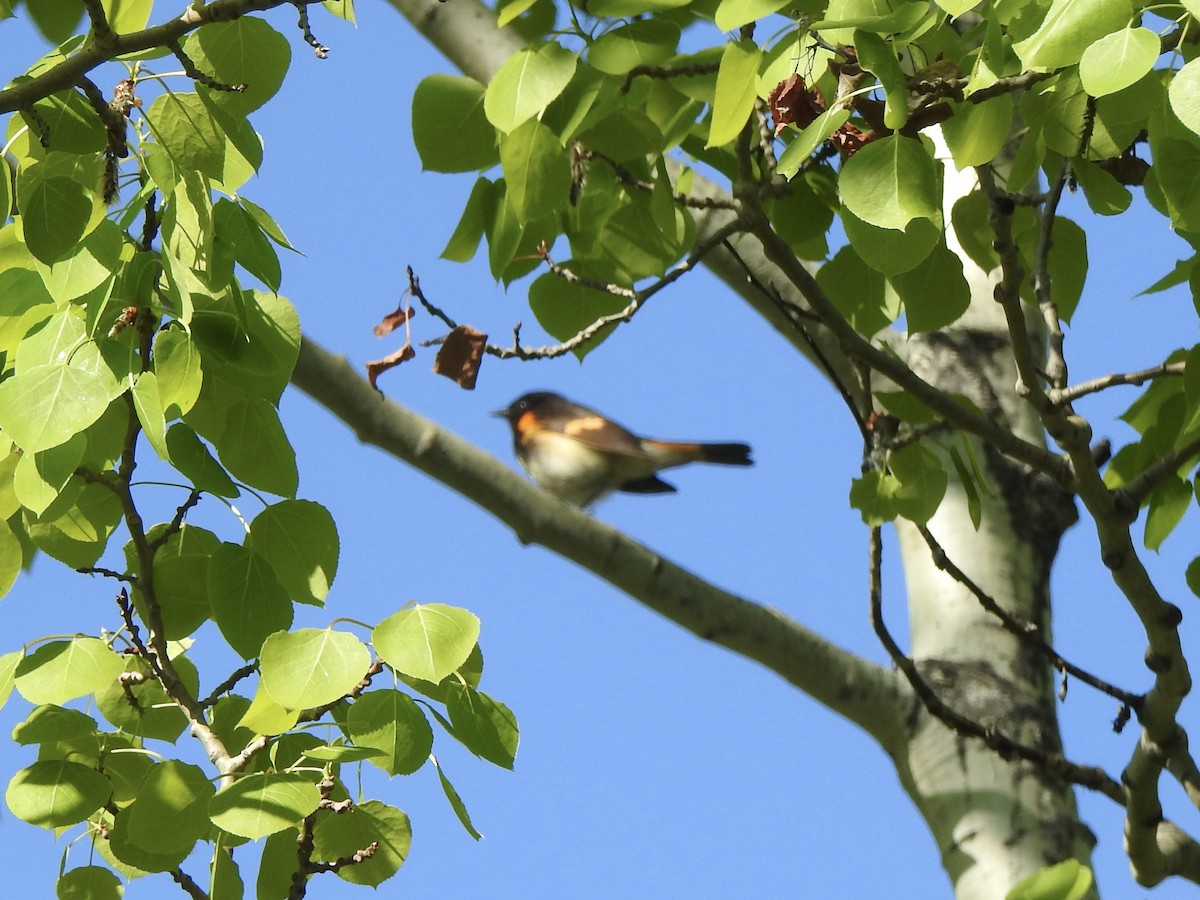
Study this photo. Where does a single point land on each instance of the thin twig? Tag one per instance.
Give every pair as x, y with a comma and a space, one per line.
177, 522
1029, 632
1056, 363
229, 684
1091, 777
638, 299
130, 580
1095, 385
1133, 495
102, 32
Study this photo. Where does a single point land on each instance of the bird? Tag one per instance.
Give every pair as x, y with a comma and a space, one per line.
581, 456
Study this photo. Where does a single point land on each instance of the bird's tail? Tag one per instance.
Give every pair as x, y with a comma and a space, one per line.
676, 453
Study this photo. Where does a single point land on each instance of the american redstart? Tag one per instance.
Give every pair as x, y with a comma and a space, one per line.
580, 456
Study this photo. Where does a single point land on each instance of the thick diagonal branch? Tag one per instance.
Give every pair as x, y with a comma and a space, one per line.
863, 692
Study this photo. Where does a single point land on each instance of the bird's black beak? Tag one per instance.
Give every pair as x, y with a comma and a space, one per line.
500, 413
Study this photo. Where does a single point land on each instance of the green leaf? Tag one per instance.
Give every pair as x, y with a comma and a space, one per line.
737, 86
57, 20
922, 482
648, 42
1192, 576
456, 802
56, 793
626, 136
170, 812
813, 136
1068, 263
276, 866
58, 671
637, 247
890, 182
1177, 174
152, 713
367, 823
149, 408
71, 122
40, 477
1069, 28
391, 722
526, 84
1184, 93
312, 666
478, 212
935, 292
265, 716
977, 131
268, 225
484, 726
121, 851
245, 51
50, 723
77, 534
254, 447
878, 57
862, 295
619, 9
94, 261
732, 14
178, 367
1118, 60
974, 506
226, 881
1067, 880
536, 171
88, 883
257, 805
1105, 195
189, 455
340, 753
888, 251
236, 235
427, 640
300, 541
127, 15
877, 16
188, 134
1168, 503
509, 10
450, 129
11, 559
248, 602
57, 212
8, 668
564, 308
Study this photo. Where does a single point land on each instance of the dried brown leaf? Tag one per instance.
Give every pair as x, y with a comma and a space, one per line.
379, 366
460, 355
394, 320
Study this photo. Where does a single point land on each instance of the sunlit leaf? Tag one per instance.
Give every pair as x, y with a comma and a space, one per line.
257, 805
312, 666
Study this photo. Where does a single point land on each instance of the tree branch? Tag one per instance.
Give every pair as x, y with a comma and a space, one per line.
1091, 777
881, 361
1095, 385
102, 49
863, 692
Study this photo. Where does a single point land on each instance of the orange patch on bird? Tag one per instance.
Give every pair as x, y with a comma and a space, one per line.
583, 425
528, 424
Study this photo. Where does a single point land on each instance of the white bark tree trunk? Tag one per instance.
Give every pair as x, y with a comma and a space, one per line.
996, 820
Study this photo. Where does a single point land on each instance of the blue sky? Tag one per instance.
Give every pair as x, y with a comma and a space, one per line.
651, 764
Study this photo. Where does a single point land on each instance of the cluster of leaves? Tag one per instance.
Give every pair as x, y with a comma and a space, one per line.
599, 128
128, 341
